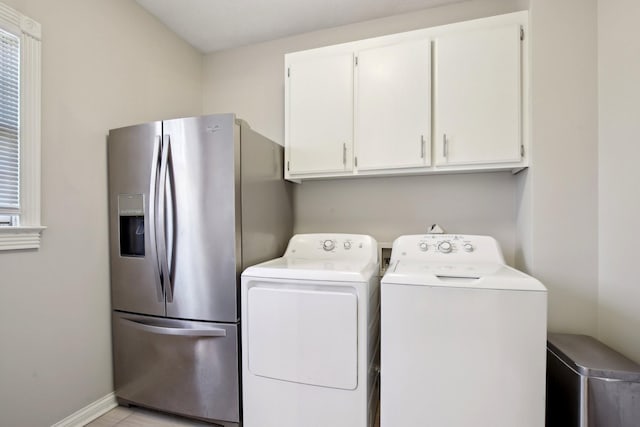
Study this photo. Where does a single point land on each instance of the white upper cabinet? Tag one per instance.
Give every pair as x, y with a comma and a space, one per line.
477, 97
438, 100
320, 114
393, 106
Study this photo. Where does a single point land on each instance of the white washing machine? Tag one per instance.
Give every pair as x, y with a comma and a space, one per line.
462, 336
310, 334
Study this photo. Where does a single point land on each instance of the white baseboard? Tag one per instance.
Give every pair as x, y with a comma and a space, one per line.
90, 412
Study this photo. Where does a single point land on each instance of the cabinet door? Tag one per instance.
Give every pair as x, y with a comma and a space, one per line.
393, 106
477, 103
320, 114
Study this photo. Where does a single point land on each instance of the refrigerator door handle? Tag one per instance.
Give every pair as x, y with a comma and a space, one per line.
169, 222
161, 226
153, 218
185, 332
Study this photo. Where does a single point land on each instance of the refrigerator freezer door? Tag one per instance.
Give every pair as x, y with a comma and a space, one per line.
184, 367
201, 225
133, 165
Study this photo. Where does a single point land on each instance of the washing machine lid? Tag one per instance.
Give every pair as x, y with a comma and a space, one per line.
312, 269
460, 275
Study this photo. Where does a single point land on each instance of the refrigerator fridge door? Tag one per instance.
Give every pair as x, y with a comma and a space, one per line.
201, 221
133, 158
189, 368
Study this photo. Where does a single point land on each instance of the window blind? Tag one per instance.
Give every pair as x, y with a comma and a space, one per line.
9, 123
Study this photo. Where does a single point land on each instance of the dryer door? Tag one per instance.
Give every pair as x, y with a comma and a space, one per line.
304, 334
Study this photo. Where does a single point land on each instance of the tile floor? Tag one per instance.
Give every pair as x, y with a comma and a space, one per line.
138, 417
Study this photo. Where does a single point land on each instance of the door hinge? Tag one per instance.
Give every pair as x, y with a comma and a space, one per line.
522, 151
521, 33
355, 160
356, 61
288, 165
288, 72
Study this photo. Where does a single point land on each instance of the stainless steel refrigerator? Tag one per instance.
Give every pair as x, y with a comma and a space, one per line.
192, 202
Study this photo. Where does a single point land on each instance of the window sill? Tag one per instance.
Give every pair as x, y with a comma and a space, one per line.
14, 238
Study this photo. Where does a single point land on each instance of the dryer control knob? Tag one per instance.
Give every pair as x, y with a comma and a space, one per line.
468, 247
347, 245
423, 246
445, 247
328, 245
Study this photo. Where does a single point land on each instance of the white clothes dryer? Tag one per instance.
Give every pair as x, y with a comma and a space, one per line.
463, 336
310, 334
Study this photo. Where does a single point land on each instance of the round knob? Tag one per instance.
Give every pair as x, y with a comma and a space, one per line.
445, 247
328, 245
468, 247
423, 246
347, 245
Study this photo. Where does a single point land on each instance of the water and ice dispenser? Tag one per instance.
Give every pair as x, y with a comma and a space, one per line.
131, 223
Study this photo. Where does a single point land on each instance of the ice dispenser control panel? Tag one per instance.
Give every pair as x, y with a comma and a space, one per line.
131, 224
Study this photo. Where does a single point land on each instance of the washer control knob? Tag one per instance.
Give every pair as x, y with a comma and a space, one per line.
328, 245
468, 247
347, 245
423, 246
445, 247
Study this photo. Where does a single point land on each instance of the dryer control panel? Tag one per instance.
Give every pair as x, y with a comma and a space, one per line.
321, 246
447, 247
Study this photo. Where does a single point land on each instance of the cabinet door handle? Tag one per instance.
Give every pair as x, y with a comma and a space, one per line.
445, 145
422, 146
344, 153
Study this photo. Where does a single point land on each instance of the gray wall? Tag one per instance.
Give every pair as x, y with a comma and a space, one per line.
388, 207
106, 63
249, 81
562, 189
619, 176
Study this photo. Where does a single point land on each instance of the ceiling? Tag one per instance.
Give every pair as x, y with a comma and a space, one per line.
211, 25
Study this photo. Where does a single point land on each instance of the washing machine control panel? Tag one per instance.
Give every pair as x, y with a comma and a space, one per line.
333, 246
447, 247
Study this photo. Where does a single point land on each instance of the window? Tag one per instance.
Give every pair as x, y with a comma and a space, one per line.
9, 127
20, 226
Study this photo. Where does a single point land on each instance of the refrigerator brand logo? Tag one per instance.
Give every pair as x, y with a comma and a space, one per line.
214, 128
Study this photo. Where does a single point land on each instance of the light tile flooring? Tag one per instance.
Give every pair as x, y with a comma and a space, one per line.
137, 417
